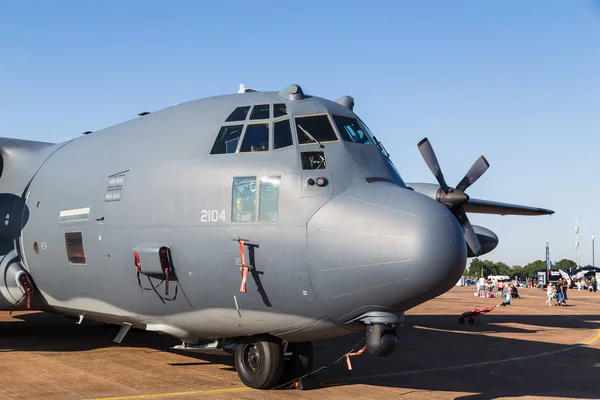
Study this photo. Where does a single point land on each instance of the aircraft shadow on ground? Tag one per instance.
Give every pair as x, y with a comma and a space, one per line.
432, 356
434, 353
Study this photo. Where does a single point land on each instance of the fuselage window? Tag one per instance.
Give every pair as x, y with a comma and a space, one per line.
227, 139
260, 111
314, 127
269, 198
74, 244
279, 110
243, 208
351, 130
313, 160
239, 114
256, 138
282, 134
377, 143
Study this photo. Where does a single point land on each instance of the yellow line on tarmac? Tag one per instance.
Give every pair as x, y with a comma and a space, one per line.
594, 338
159, 395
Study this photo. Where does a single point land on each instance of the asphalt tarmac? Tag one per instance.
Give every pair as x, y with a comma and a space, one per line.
528, 350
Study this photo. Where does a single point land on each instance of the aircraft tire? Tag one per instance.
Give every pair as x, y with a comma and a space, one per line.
259, 362
299, 364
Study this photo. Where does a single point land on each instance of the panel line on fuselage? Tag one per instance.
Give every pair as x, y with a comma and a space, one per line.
374, 287
367, 265
365, 234
380, 206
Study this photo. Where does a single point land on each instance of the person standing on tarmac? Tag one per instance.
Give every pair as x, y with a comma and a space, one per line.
481, 287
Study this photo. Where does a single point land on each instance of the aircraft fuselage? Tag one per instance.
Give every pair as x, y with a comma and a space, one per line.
323, 255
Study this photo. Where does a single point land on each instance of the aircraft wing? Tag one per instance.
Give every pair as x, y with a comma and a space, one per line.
494, 207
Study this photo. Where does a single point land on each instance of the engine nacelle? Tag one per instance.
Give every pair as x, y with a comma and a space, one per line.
13, 282
487, 239
430, 190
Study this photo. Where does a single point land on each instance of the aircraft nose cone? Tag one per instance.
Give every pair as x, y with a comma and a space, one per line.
380, 246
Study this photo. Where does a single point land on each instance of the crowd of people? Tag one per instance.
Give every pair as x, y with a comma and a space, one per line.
589, 284
485, 288
557, 291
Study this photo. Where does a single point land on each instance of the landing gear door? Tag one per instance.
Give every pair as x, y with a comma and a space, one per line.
315, 176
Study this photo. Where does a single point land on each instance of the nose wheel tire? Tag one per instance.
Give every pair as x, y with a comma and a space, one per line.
259, 362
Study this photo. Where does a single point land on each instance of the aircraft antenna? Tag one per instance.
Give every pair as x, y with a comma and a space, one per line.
577, 240
244, 89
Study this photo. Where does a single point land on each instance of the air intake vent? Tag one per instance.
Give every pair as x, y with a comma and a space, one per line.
115, 187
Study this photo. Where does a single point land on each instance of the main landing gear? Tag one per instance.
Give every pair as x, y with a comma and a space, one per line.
265, 362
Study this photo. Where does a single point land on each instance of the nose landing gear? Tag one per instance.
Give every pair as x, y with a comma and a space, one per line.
259, 361
266, 362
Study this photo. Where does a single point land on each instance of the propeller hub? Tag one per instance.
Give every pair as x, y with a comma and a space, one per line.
454, 198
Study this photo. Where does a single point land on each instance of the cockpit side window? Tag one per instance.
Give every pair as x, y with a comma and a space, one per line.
246, 196
243, 207
227, 139
256, 138
269, 198
239, 114
317, 126
313, 160
260, 111
351, 130
279, 110
282, 134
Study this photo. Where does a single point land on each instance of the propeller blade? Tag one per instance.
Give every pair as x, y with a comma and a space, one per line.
477, 169
432, 162
470, 235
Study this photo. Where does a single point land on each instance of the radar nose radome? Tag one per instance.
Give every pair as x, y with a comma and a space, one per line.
385, 246
293, 92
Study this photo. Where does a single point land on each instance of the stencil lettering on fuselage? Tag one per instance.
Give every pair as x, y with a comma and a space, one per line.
303, 286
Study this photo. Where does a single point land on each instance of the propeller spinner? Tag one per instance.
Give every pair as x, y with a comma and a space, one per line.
454, 198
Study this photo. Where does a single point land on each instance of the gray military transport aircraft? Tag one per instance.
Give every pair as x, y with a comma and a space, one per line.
254, 222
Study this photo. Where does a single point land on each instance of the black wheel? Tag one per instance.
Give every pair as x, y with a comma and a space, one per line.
471, 320
259, 362
300, 363
461, 320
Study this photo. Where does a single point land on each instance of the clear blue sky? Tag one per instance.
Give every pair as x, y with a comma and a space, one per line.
517, 81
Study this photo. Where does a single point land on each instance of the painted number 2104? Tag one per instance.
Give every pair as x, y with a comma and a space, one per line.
212, 215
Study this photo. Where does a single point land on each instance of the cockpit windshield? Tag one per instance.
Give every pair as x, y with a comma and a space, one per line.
314, 127
351, 130
383, 151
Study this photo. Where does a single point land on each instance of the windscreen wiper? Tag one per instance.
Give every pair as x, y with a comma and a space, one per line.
310, 136
380, 145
